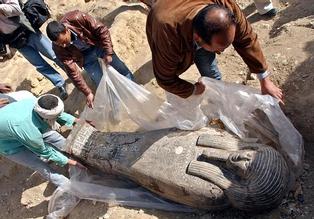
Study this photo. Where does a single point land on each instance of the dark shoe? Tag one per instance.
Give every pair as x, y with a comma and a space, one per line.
271, 13
63, 92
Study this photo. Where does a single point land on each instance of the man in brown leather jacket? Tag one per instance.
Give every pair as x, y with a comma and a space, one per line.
183, 32
78, 41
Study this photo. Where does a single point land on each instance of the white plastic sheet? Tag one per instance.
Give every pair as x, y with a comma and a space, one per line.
106, 188
119, 101
122, 105
246, 113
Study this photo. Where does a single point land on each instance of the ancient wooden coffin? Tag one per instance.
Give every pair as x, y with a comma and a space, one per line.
207, 169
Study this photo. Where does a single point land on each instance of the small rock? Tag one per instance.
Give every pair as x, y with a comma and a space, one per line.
106, 216
286, 4
34, 83
241, 73
141, 211
40, 77
285, 62
37, 91
251, 76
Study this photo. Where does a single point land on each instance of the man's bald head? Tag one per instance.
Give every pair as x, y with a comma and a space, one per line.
212, 20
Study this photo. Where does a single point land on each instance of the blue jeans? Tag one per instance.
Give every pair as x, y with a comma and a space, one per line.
206, 64
30, 160
93, 68
39, 44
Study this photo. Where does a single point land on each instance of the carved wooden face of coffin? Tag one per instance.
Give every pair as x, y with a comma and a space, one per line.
240, 162
253, 179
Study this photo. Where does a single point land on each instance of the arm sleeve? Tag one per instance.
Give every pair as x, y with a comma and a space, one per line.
66, 119
72, 70
31, 137
246, 41
100, 31
10, 8
166, 58
74, 74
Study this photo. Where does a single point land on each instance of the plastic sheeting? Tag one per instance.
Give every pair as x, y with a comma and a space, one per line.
249, 114
106, 188
122, 105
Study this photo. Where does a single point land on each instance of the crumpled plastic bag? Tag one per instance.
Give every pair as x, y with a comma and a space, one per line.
249, 114
122, 105
184, 114
61, 204
105, 188
120, 101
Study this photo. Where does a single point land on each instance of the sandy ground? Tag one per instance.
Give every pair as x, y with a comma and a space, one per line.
288, 44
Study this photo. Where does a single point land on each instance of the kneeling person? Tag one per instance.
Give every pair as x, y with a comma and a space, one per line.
79, 40
27, 135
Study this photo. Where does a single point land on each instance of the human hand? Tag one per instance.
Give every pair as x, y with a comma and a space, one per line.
107, 59
199, 88
77, 164
90, 100
268, 87
77, 120
4, 102
4, 88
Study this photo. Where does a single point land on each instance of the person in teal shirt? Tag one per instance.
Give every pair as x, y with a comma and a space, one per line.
28, 134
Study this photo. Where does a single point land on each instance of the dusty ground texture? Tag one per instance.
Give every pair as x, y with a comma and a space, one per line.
288, 44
